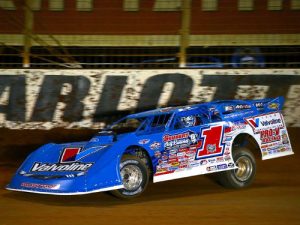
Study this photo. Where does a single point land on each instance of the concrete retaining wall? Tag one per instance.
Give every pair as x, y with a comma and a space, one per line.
71, 99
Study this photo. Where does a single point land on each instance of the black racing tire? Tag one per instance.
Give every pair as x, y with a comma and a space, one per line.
135, 177
242, 177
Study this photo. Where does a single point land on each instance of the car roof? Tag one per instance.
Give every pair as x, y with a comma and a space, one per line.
202, 107
167, 110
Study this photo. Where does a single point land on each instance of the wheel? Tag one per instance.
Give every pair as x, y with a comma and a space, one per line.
244, 175
135, 177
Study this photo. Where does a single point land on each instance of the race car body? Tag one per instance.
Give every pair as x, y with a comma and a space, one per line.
165, 144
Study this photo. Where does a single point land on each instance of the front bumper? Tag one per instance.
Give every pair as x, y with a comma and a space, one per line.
66, 193
67, 186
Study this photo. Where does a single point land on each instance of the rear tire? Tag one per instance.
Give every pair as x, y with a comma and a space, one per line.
135, 177
244, 175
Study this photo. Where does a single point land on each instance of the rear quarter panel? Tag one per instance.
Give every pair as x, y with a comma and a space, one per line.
271, 134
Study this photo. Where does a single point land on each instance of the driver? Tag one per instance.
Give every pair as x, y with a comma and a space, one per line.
188, 121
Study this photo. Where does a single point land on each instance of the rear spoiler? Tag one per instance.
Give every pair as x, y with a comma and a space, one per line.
262, 105
269, 104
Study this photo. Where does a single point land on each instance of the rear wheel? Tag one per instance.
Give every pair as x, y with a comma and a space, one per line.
135, 177
244, 175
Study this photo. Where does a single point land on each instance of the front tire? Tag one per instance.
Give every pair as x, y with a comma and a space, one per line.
244, 175
135, 177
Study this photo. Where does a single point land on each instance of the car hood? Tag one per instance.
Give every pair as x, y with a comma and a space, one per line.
71, 158
72, 168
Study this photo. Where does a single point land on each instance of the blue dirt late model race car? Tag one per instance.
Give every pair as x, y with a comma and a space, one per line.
162, 144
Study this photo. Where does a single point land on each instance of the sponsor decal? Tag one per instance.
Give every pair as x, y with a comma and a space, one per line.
164, 157
164, 165
183, 166
270, 122
254, 123
173, 168
230, 165
59, 167
236, 126
191, 158
162, 161
227, 158
193, 148
168, 137
183, 163
273, 105
284, 137
180, 154
183, 149
264, 122
203, 162
211, 148
243, 106
211, 168
283, 149
227, 153
190, 153
155, 145
228, 138
74, 154
212, 160
163, 170
40, 186
259, 105
180, 140
69, 155
174, 164
172, 160
157, 154
174, 151
172, 156
222, 166
273, 151
158, 167
229, 108
194, 164
270, 135
182, 159
193, 138
69, 161
144, 141
220, 159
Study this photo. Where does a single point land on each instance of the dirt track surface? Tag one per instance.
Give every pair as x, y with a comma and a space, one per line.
274, 198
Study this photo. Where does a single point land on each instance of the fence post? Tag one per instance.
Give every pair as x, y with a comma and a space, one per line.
28, 26
185, 31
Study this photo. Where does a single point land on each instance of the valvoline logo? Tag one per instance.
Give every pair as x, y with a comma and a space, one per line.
266, 121
69, 161
69, 155
254, 123
74, 154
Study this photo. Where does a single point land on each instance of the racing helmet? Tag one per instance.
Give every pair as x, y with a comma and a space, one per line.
188, 121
